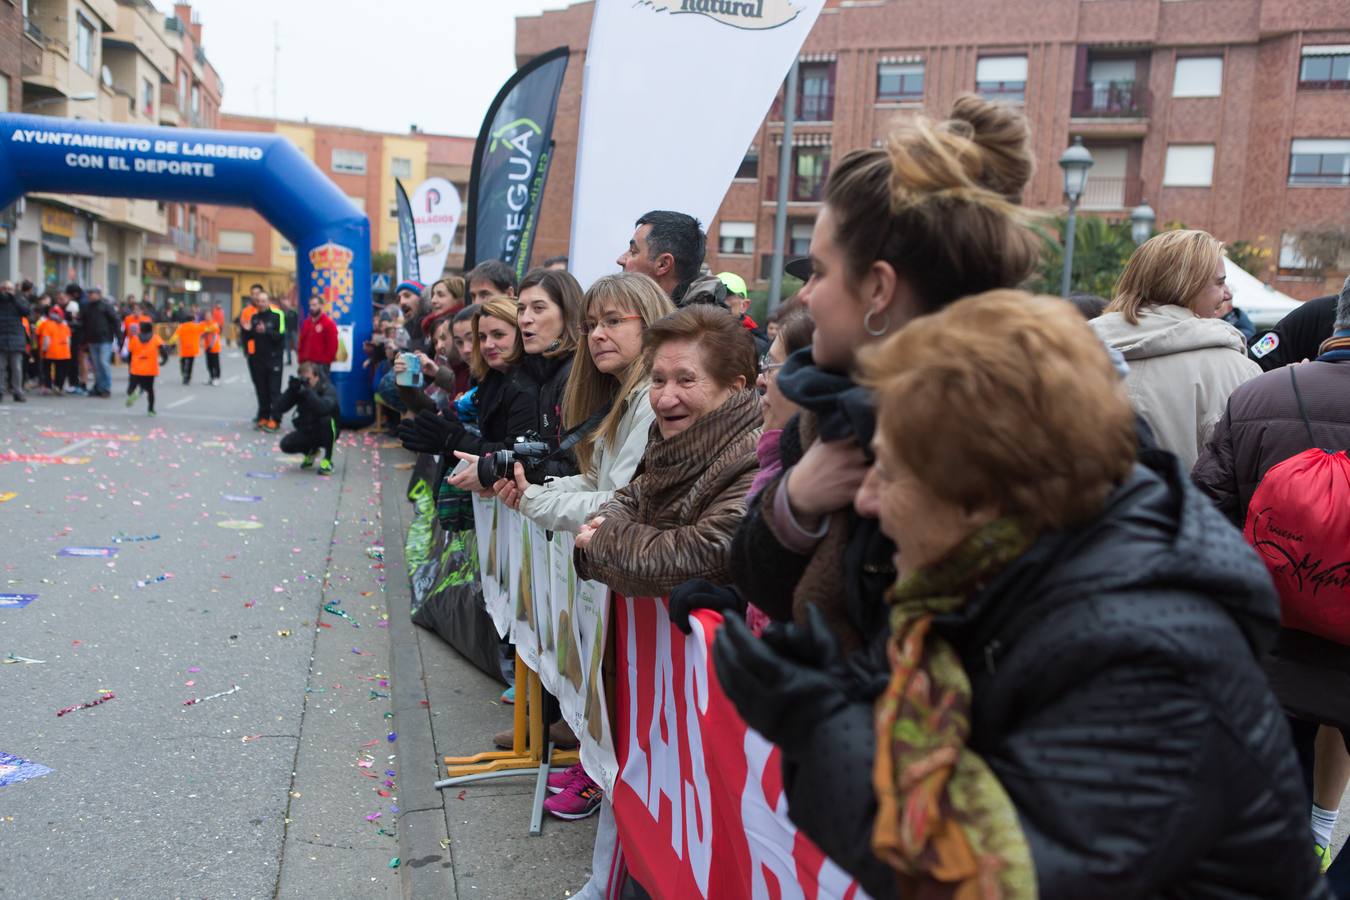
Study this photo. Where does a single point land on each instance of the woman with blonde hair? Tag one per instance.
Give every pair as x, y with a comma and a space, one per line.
905, 230
1069, 702
1184, 361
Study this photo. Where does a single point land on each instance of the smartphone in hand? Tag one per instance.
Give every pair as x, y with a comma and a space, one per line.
411, 376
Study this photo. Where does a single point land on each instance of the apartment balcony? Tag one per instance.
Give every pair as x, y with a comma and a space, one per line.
1111, 100
1110, 194
800, 190
45, 60
188, 249
168, 106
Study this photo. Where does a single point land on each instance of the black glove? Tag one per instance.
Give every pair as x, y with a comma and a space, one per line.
702, 594
295, 383
785, 684
430, 432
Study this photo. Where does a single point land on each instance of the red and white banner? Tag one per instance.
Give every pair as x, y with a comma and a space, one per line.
699, 800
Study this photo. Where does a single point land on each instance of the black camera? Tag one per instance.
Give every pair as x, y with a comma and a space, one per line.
529, 450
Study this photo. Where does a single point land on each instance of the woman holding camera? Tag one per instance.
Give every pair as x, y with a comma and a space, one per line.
502, 415
608, 387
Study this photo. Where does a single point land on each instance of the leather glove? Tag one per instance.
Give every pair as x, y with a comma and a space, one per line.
702, 594
429, 432
785, 684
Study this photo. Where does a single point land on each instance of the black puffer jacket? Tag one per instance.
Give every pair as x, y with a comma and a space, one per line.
541, 381
502, 416
316, 407
13, 310
1117, 698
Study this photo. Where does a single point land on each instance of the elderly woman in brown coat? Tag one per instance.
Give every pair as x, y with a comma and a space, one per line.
674, 522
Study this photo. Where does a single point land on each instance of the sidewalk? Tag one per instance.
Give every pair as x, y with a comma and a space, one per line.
490, 853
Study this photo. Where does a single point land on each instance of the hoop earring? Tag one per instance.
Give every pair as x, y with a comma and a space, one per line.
876, 332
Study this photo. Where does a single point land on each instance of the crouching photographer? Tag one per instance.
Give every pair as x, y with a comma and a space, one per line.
316, 409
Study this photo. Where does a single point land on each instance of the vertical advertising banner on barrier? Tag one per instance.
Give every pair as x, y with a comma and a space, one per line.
407, 264
510, 163
681, 153
436, 209
491, 563
699, 800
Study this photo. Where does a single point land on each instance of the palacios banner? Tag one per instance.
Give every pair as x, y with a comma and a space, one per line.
408, 268
510, 163
729, 59
699, 800
436, 209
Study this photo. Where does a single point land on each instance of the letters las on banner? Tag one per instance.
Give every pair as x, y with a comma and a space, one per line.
510, 163
699, 801
407, 237
436, 208
624, 137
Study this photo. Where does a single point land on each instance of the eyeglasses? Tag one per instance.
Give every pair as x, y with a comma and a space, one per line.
766, 365
608, 323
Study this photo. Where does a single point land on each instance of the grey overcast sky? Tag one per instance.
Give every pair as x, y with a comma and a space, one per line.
380, 65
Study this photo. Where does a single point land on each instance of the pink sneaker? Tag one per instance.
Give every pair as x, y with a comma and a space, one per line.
558, 781
577, 801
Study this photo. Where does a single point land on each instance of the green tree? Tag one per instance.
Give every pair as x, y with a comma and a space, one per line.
1100, 251
383, 262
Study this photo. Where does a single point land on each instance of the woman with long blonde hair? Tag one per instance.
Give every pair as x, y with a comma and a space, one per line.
1184, 360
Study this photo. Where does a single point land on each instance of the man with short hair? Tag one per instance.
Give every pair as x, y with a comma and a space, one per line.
490, 279
100, 333
318, 338
667, 246
292, 314
267, 333
14, 312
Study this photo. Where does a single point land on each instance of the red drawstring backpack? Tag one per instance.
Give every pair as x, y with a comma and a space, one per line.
1299, 523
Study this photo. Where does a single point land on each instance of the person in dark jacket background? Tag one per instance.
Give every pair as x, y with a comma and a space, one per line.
1069, 704
1297, 336
1269, 419
101, 334
14, 310
315, 401
267, 331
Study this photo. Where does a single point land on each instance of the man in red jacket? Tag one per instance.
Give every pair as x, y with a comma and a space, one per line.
318, 337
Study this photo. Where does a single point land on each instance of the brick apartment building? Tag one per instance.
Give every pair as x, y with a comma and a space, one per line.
364, 165
1228, 115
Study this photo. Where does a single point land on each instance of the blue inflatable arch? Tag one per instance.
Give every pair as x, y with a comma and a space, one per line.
263, 171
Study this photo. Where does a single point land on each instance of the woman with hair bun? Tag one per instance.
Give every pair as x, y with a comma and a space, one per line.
905, 230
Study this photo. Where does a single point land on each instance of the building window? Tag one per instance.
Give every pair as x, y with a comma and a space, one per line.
749, 169
899, 82
393, 210
147, 97
400, 167
235, 241
1189, 165
815, 92
351, 162
799, 237
182, 90
810, 166
196, 101
1325, 68
84, 43
1198, 76
736, 238
286, 249
4, 93
1002, 78
1290, 258
1319, 162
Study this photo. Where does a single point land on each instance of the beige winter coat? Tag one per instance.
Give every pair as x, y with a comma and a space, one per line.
565, 504
1182, 369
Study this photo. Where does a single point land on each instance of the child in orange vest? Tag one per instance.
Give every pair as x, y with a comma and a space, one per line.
53, 335
146, 351
188, 337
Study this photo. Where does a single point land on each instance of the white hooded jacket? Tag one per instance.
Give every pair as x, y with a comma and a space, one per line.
565, 504
1182, 369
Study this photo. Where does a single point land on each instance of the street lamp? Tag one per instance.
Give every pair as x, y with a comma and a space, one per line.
1142, 218
1075, 161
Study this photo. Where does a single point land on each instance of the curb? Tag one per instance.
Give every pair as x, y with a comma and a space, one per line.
426, 866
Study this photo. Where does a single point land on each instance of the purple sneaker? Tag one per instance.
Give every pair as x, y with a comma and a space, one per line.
577, 801
558, 781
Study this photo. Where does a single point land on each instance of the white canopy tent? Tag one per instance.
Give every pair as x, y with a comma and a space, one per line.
1262, 303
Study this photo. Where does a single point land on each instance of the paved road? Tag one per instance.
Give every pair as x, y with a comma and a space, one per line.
283, 787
